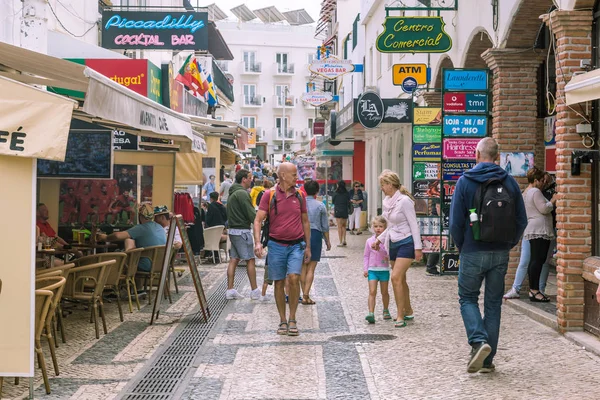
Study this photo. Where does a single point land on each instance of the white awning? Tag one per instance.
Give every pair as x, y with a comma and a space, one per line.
33, 123
65, 46
583, 87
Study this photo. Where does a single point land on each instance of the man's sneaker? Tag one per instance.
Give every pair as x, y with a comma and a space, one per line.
266, 297
432, 271
486, 369
512, 294
478, 354
233, 294
255, 294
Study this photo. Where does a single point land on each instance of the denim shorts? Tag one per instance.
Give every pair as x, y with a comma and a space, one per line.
316, 244
285, 260
242, 246
381, 276
405, 248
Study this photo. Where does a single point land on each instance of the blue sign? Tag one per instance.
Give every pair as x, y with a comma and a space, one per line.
409, 85
465, 125
477, 103
466, 79
452, 170
427, 152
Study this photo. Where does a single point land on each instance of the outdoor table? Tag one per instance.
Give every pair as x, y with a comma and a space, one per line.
94, 247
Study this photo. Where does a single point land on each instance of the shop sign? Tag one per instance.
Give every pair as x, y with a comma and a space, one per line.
460, 149
199, 145
466, 79
414, 35
156, 30
517, 164
450, 262
397, 110
427, 116
154, 83
193, 105
453, 170
550, 130
465, 125
369, 110
319, 128
426, 171
133, 74
251, 138
124, 141
317, 98
470, 103
424, 189
419, 72
448, 192
427, 152
427, 134
429, 226
331, 67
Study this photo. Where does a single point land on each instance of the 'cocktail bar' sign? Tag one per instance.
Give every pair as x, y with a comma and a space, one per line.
414, 35
154, 30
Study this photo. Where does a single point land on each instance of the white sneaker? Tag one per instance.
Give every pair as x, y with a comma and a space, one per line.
255, 294
265, 298
233, 294
512, 294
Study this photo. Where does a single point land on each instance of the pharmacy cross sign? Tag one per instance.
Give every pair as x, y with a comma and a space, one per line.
414, 35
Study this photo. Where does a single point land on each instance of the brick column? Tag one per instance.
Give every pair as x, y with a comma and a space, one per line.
572, 30
514, 112
433, 99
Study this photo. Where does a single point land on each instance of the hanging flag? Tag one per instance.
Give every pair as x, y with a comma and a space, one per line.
203, 82
212, 94
189, 75
196, 79
184, 76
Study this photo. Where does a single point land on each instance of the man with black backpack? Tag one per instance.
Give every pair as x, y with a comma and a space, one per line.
487, 219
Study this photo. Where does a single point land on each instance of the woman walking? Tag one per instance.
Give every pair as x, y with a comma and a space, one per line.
319, 229
539, 231
402, 238
341, 203
356, 199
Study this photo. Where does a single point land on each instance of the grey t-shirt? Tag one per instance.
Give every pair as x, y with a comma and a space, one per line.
146, 235
225, 186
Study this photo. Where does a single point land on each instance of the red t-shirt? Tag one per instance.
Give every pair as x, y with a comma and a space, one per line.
287, 223
45, 228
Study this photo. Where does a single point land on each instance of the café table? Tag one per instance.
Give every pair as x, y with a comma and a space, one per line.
93, 248
50, 254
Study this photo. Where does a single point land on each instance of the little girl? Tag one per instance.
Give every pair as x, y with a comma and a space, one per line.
377, 269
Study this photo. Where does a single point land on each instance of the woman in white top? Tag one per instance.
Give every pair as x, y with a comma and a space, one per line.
402, 238
539, 231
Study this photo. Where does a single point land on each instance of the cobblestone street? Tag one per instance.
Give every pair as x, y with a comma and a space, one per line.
337, 355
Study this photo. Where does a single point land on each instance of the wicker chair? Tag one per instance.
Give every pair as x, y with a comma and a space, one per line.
86, 283
132, 261
114, 275
62, 270
56, 285
212, 240
156, 255
43, 301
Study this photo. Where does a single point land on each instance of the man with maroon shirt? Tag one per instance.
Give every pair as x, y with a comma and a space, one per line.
289, 241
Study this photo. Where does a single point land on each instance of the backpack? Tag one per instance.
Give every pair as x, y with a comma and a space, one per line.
496, 210
264, 235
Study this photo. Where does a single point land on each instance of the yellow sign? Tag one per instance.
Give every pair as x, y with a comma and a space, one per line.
251, 138
402, 71
427, 116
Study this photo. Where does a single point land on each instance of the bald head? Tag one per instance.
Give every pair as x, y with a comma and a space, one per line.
288, 175
487, 150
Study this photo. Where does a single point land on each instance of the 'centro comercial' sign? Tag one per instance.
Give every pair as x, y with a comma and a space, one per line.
414, 35
155, 30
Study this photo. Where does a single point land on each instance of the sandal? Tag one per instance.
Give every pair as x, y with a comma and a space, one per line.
370, 318
386, 314
399, 324
281, 330
541, 299
307, 301
292, 331
409, 317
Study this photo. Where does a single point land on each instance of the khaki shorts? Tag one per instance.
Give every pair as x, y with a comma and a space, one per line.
266, 277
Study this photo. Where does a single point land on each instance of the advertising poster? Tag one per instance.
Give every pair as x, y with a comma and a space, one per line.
450, 262
426, 189
426, 171
307, 168
460, 149
427, 116
516, 164
448, 191
550, 130
453, 170
427, 134
465, 125
429, 225
427, 152
422, 206
431, 244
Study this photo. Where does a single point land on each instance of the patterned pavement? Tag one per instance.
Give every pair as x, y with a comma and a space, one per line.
337, 355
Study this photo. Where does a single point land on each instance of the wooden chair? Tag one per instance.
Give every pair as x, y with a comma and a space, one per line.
61, 270
43, 301
132, 261
156, 255
113, 277
86, 283
56, 285
212, 239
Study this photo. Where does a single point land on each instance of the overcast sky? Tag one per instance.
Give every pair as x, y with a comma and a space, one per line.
313, 7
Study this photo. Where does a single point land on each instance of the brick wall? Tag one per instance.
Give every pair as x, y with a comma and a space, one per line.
572, 30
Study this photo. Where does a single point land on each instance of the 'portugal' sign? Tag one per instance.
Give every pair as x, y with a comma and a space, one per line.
414, 35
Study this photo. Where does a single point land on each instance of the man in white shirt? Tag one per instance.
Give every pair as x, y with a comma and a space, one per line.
225, 186
162, 216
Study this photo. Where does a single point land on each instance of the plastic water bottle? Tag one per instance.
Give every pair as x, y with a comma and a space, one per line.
474, 222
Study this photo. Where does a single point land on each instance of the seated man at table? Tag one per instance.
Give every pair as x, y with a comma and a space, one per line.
162, 216
42, 223
147, 233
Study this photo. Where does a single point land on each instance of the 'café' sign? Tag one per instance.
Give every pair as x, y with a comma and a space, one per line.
331, 67
154, 30
414, 35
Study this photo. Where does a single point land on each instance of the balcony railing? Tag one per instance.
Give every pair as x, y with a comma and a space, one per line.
222, 82
253, 101
278, 133
251, 68
278, 101
284, 69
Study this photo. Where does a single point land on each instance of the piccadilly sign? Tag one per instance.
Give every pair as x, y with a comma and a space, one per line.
157, 30
414, 35
331, 67
317, 98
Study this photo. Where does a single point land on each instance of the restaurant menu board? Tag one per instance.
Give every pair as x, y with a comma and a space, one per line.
164, 272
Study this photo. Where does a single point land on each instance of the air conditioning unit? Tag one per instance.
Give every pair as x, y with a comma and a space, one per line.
288, 147
277, 147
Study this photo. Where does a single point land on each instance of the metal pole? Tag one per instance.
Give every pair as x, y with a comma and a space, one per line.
283, 124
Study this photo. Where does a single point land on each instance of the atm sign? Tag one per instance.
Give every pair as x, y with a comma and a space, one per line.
417, 71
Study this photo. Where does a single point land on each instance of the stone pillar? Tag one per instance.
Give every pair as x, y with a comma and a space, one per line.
514, 112
572, 30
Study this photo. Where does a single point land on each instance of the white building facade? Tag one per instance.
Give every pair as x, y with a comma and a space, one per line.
270, 74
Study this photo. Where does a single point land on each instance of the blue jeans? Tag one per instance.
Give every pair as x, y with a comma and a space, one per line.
524, 263
474, 268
